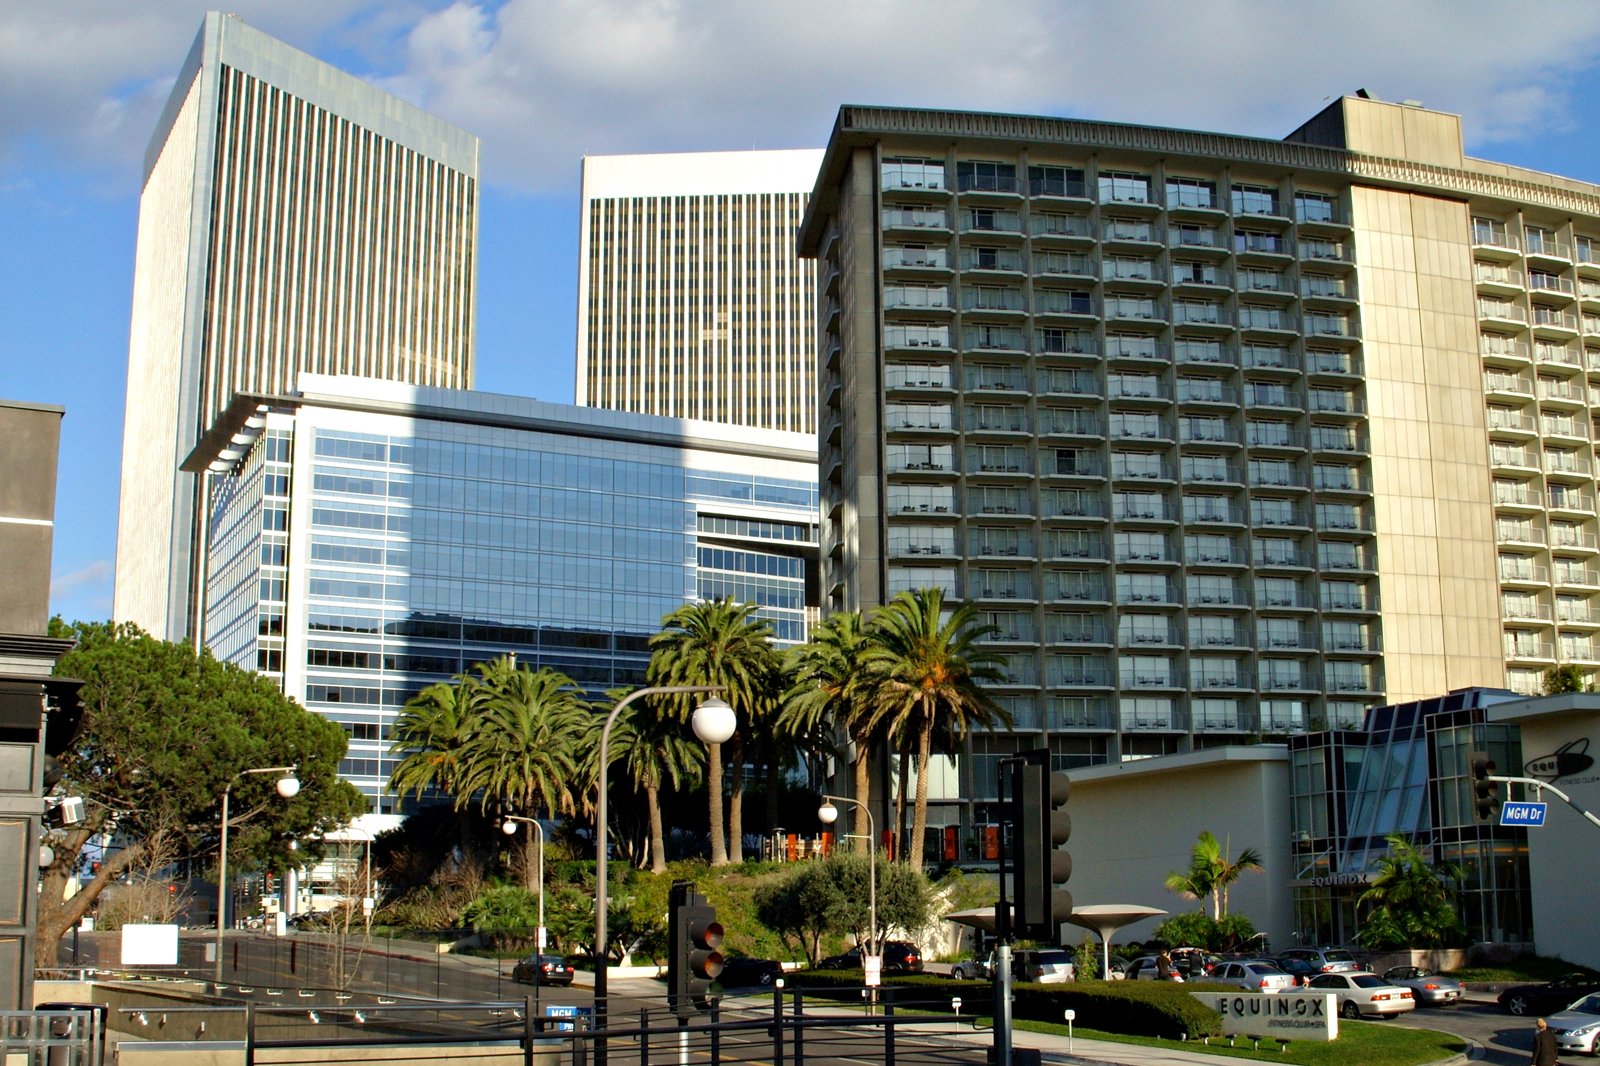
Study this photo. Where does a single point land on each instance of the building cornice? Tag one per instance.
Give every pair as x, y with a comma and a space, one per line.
859, 125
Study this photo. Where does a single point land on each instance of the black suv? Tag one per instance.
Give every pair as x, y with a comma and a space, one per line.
898, 957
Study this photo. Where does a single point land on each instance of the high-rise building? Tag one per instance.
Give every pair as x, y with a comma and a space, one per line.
370, 538
1224, 436
292, 218
692, 302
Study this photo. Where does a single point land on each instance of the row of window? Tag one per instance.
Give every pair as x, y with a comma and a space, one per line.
1109, 186
1048, 225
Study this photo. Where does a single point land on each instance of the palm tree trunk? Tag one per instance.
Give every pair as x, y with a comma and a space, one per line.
736, 803
863, 794
900, 806
530, 860
919, 816
658, 840
719, 844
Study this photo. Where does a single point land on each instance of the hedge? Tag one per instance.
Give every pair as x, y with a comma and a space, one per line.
1133, 1008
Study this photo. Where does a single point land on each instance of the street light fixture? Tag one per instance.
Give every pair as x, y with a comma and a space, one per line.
288, 788
508, 825
713, 722
828, 814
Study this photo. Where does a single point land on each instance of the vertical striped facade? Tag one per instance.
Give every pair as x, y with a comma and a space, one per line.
692, 301
293, 218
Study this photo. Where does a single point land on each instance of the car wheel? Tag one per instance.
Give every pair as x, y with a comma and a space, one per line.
1350, 1010
959, 974
1517, 1005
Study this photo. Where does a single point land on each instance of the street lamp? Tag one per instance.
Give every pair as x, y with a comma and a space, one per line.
508, 825
713, 722
288, 788
828, 814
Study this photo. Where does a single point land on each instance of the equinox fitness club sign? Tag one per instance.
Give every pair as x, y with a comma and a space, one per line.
1275, 1015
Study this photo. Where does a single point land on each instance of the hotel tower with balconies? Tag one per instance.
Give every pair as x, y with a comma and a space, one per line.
1226, 437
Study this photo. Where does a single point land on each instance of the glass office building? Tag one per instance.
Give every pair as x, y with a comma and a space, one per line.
370, 538
1407, 774
1228, 438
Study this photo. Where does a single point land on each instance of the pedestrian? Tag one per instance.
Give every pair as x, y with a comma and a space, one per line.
1544, 1045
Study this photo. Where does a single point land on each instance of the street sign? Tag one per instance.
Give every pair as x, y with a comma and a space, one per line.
1528, 814
872, 969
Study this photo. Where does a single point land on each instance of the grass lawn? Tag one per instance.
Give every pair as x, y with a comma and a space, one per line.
1367, 1043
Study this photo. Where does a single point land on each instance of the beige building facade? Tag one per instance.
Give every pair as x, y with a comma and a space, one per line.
692, 302
1226, 437
292, 218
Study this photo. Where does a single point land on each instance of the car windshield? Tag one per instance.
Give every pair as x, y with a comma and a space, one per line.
1367, 980
1053, 958
1338, 956
1587, 1005
1262, 967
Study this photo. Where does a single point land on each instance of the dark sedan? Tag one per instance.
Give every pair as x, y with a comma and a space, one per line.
1523, 1000
544, 970
741, 971
898, 957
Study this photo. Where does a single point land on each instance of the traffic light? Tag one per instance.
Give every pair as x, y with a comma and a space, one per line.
696, 959
1487, 792
1040, 825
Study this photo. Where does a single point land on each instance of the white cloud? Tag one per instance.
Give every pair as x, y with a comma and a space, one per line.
83, 594
547, 81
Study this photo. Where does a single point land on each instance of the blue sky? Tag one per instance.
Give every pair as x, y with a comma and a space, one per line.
544, 82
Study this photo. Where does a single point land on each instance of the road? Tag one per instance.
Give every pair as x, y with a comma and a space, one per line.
1506, 1040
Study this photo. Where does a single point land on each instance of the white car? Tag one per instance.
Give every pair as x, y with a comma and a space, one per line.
1362, 993
1255, 975
1578, 1027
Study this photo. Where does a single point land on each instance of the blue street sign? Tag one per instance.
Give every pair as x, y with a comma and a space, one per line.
1530, 815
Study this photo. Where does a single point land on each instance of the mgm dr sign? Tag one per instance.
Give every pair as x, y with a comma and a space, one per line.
1275, 1015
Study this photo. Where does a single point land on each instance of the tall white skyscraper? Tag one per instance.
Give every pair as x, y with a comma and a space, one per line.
293, 218
692, 302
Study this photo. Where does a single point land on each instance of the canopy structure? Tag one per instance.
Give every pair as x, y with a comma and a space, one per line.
1103, 919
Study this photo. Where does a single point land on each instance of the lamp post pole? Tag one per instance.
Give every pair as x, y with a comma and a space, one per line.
714, 723
828, 813
508, 825
288, 788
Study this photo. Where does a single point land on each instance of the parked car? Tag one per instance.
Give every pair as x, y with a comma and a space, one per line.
973, 969
1551, 996
1429, 988
1257, 975
898, 957
1326, 960
1298, 968
1578, 1027
742, 971
1194, 963
1362, 993
1046, 966
1149, 967
549, 970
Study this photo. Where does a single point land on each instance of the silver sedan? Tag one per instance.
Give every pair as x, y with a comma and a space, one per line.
1429, 988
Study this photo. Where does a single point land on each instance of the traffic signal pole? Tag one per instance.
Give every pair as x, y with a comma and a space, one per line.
1540, 786
1002, 932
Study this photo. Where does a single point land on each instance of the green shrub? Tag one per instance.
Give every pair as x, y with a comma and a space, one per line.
1133, 1008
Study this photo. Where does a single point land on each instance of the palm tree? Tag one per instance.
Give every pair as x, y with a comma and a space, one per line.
1210, 873
717, 642
655, 752
832, 682
521, 755
430, 731
1411, 903
930, 669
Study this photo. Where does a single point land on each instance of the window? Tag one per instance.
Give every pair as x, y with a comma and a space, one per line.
1141, 465
1191, 192
1210, 590
1124, 187
1142, 588
1270, 434
895, 217
1254, 200
913, 174
1138, 505
1132, 346
915, 296
1278, 633
920, 456
1132, 425
1140, 547
1209, 548
1065, 341
983, 176
916, 376
1202, 508
1212, 631
913, 255
1204, 430
1139, 307
1127, 229
1056, 181
1193, 235
1315, 207
1188, 272
1206, 468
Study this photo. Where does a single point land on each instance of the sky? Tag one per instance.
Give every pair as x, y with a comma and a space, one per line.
546, 82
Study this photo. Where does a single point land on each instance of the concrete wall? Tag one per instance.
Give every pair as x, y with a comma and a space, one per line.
1561, 854
1135, 822
30, 436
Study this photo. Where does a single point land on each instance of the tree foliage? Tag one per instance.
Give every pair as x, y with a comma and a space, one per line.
1411, 902
1568, 677
831, 896
1199, 930
165, 731
1211, 873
